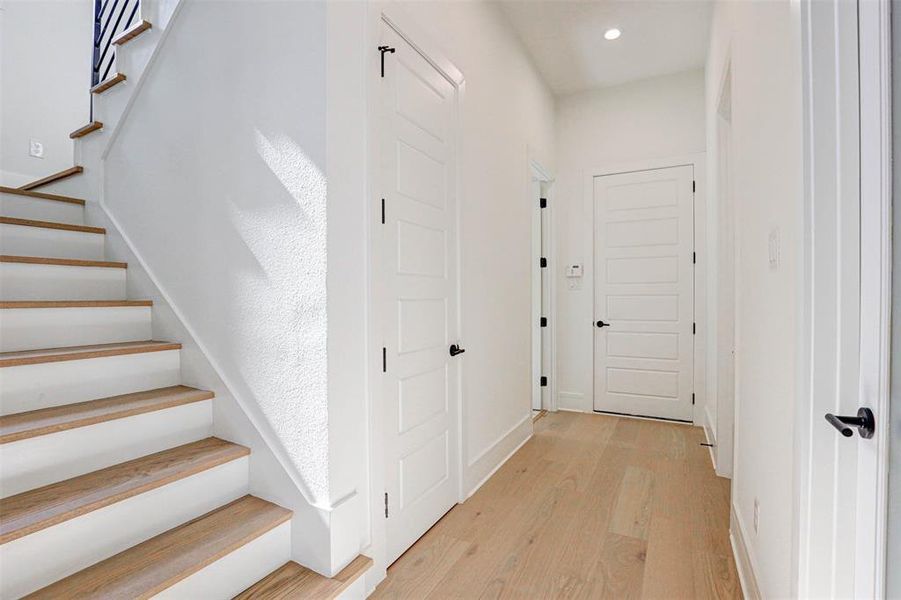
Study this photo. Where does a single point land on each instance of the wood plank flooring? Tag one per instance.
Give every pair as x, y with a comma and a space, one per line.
592, 506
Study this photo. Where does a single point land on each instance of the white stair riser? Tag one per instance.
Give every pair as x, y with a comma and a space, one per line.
36, 328
21, 281
37, 209
238, 570
22, 240
32, 562
30, 387
46, 459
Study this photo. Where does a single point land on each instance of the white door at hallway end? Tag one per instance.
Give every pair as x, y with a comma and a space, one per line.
417, 283
644, 293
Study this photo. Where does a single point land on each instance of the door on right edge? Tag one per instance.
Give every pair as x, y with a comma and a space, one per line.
644, 283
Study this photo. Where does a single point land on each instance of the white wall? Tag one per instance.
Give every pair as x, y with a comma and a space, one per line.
654, 118
507, 113
763, 41
45, 75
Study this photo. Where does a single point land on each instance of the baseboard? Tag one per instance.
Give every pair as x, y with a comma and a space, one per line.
572, 401
744, 564
492, 458
710, 437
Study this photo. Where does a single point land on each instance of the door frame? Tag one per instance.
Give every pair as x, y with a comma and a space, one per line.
538, 174
396, 18
699, 289
874, 47
723, 425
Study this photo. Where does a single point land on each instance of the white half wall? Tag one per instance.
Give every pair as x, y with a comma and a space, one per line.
650, 119
763, 41
45, 75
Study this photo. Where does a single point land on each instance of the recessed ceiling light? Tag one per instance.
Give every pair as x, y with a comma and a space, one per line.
612, 34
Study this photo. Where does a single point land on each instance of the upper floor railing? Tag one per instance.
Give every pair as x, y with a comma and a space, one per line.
111, 17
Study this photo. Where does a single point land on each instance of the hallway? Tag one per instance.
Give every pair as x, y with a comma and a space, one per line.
592, 506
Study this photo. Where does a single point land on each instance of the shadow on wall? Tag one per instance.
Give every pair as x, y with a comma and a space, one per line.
217, 177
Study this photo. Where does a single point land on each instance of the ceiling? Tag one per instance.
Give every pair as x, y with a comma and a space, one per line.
566, 39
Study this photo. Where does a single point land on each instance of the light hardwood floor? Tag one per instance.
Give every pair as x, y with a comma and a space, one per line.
592, 506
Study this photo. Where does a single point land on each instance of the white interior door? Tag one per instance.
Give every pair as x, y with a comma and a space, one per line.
843, 469
419, 277
644, 303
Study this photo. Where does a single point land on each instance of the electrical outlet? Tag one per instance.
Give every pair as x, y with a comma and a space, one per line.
756, 515
35, 149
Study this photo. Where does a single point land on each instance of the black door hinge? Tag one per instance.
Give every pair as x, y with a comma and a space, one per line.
384, 360
694, 328
386, 505
542, 203
543, 381
694, 255
692, 398
544, 321
383, 211
543, 262
383, 50
693, 183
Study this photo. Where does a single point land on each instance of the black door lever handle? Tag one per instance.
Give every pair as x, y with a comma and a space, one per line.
455, 350
864, 421
602, 324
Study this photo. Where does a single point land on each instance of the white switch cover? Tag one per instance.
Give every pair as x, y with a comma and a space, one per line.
36, 149
774, 249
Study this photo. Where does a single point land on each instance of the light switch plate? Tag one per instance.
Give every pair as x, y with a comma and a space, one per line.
35, 149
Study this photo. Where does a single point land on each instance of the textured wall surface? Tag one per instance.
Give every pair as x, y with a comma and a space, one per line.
218, 179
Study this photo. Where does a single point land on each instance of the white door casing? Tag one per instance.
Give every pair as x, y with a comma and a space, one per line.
419, 287
644, 290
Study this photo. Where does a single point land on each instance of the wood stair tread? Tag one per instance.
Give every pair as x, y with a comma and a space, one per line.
65, 262
7, 304
44, 421
160, 562
51, 225
86, 129
292, 581
52, 178
132, 32
41, 195
48, 355
108, 83
56, 503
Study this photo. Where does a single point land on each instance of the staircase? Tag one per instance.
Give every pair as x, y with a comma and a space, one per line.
112, 483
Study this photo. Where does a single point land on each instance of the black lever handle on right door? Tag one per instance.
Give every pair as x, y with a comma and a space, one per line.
455, 350
602, 324
864, 421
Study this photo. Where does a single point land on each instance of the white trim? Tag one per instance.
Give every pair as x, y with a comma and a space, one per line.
874, 40
499, 440
698, 162
541, 175
744, 563
502, 462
